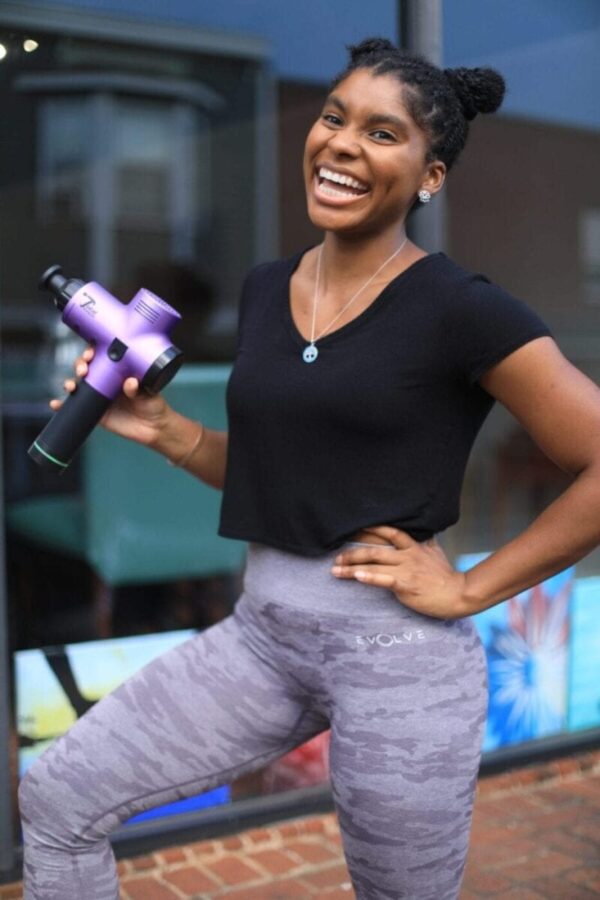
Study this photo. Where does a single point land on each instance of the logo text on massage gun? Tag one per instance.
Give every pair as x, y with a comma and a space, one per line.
89, 306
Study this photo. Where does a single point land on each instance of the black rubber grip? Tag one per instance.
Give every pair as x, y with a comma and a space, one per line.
69, 427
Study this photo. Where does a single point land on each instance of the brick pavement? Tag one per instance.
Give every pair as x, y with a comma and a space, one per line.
536, 834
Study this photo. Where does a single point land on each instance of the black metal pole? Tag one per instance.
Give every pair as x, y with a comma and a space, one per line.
421, 31
7, 848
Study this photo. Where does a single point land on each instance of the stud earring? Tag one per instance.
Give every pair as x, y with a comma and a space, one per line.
424, 196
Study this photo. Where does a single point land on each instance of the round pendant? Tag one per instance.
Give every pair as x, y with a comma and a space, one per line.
310, 353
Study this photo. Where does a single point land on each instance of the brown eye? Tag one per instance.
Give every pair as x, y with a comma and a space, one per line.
383, 135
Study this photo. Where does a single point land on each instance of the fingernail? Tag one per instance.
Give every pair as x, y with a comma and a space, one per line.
338, 559
336, 570
80, 370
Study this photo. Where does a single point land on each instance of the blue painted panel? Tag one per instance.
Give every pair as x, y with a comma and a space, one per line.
584, 680
526, 643
216, 797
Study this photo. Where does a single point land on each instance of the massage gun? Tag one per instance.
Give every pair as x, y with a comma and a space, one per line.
130, 339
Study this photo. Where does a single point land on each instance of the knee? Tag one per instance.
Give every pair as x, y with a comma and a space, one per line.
43, 807
27, 797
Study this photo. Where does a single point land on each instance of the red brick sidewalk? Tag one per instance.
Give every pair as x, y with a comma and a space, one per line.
536, 834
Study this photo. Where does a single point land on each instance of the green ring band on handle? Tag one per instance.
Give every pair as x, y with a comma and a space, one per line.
48, 456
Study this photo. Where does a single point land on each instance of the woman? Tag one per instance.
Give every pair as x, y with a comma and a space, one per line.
365, 368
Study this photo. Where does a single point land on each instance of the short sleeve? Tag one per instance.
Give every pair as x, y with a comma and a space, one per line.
489, 323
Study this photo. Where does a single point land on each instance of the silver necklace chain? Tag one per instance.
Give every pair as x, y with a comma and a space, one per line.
310, 352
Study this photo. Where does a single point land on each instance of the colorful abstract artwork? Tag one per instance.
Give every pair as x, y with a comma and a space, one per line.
305, 766
526, 639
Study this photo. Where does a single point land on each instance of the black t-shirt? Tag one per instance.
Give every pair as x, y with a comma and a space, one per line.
379, 428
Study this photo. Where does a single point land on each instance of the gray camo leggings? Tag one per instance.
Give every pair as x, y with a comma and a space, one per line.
405, 696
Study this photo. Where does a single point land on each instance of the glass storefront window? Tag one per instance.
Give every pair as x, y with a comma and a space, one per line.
151, 158
64, 128
127, 167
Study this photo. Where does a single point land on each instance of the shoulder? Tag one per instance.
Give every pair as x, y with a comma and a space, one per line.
446, 283
483, 322
468, 293
451, 279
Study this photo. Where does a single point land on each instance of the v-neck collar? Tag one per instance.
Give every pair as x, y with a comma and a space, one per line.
370, 310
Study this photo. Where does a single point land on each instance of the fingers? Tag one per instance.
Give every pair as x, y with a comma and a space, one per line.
387, 554
131, 387
81, 363
377, 565
81, 370
382, 576
368, 554
380, 579
69, 385
400, 539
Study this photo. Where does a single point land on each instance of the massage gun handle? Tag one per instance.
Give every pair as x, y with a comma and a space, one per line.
69, 427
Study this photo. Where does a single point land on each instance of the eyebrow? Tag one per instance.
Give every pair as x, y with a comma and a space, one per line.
374, 118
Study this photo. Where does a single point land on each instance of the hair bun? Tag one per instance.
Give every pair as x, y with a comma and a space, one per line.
478, 90
371, 46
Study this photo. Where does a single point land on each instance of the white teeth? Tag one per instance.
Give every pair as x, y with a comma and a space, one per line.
328, 189
341, 179
332, 191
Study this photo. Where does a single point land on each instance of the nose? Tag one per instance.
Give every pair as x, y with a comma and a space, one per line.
343, 142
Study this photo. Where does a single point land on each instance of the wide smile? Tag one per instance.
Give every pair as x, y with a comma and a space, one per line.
337, 188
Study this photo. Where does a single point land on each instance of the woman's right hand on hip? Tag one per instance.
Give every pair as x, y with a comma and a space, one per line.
134, 414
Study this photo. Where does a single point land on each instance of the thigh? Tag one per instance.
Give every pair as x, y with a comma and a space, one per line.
405, 748
200, 715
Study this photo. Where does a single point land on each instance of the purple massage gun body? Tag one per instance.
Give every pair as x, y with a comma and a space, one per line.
130, 339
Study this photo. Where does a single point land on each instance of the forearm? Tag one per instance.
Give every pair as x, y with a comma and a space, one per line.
565, 532
207, 461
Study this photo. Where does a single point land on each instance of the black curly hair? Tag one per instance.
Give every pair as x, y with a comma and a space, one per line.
441, 101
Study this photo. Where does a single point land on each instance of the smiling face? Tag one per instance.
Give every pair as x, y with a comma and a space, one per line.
364, 158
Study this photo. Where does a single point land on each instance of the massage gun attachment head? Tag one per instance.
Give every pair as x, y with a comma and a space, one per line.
63, 288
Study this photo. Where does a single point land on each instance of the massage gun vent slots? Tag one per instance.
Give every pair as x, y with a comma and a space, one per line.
129, 339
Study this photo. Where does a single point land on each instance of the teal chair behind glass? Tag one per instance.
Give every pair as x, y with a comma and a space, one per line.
139, 520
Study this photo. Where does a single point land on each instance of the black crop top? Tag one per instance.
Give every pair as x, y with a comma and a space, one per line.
379, 428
